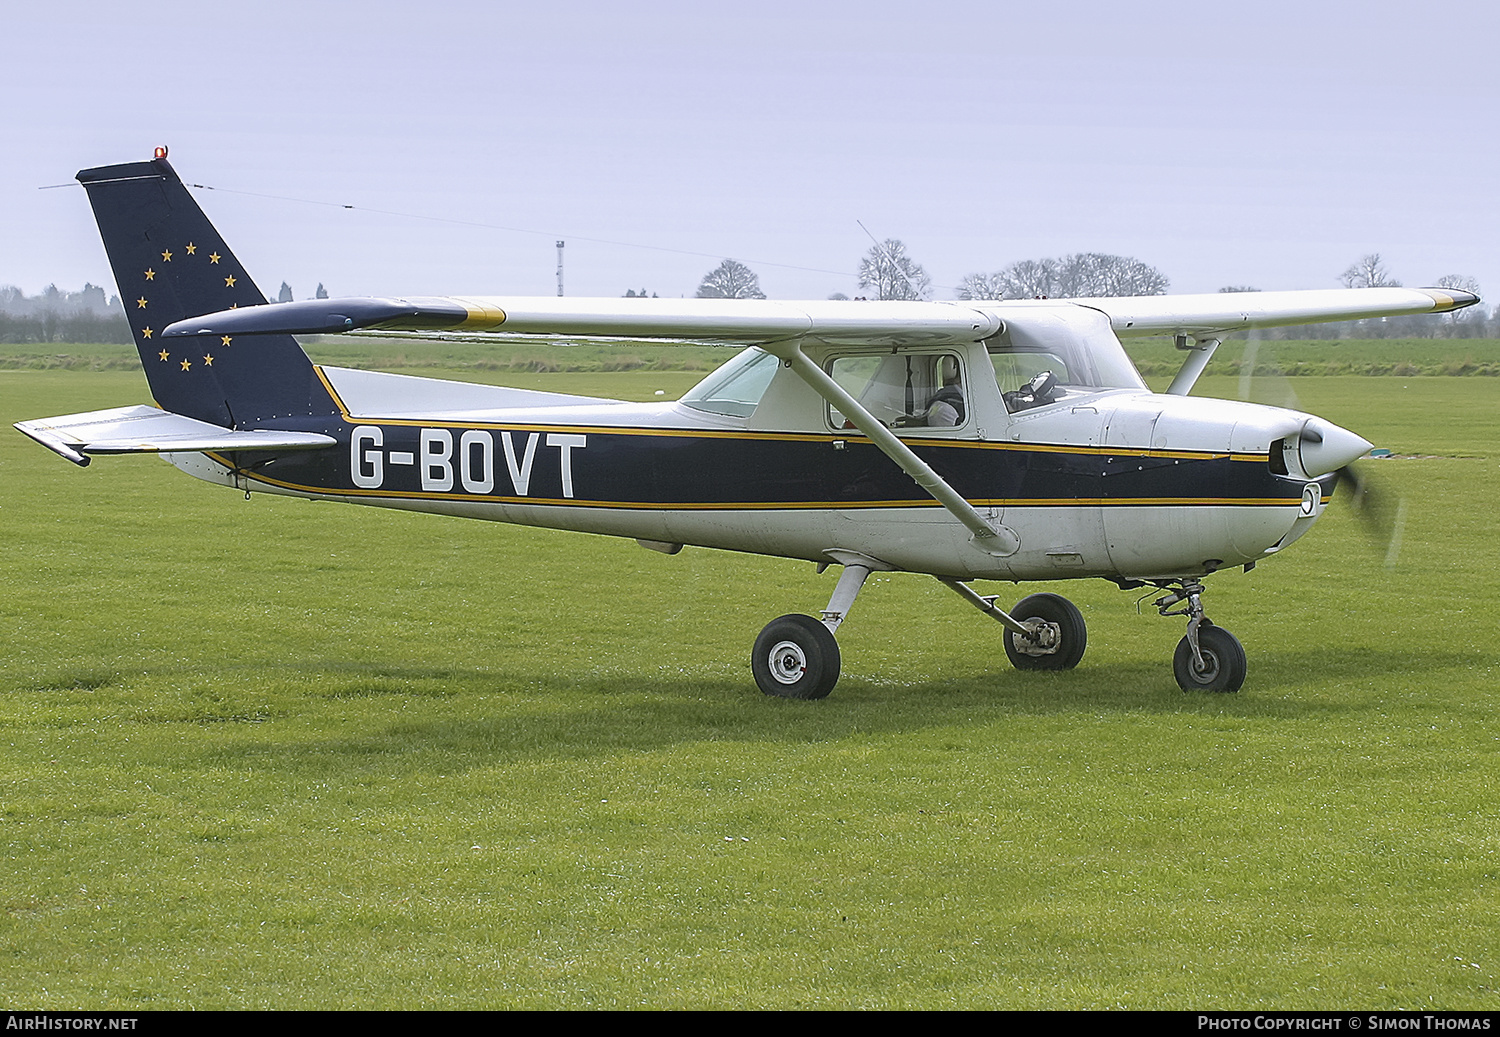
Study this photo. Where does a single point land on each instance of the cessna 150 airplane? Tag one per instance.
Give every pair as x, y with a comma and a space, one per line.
964, 440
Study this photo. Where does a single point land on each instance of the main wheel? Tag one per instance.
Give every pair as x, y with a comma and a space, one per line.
1062, 645
796, 657
1223, 661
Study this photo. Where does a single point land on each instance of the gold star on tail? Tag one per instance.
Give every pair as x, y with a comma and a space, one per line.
186, 364
229, 281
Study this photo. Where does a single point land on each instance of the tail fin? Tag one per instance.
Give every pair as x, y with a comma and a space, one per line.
170, 263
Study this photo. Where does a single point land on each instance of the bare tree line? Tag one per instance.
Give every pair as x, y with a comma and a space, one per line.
87, 315
889, 272
1082, 275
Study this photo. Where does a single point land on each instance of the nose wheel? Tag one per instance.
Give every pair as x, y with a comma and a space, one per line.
1219, 665
1208, 658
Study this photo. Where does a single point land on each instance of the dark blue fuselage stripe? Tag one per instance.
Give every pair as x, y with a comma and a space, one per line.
683, 470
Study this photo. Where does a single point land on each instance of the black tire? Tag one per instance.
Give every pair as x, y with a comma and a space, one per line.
796, 657
1072, 634
1223, 656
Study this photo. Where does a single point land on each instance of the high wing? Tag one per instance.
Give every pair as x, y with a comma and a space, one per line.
1197, 321
760, 322
729, 321
147, 430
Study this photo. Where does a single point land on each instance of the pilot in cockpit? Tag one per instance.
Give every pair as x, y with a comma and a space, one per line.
945, 407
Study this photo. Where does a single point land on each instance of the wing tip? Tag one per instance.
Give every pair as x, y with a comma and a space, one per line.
1448, 299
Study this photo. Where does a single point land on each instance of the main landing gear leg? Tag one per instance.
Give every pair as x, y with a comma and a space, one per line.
1043, 631
796, 656
1208, 658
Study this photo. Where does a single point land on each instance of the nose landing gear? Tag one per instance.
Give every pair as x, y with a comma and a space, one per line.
1208, 658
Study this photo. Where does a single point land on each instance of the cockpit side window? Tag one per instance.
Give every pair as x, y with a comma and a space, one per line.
1014, 369
1049, 354
1031, 379
903, 390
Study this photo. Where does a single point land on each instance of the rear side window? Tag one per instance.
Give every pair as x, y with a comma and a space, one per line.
903, 390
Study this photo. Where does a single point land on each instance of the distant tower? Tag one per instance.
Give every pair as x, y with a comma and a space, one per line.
559, 267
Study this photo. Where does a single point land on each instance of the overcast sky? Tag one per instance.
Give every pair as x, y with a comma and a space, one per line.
1271, 146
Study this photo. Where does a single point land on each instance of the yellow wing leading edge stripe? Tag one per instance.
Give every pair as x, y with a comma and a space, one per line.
482, 317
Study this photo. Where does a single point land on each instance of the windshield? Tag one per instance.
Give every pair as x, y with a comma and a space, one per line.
736, 388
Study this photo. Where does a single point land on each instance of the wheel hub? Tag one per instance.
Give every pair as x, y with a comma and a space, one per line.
1048, 636
788, 663
1209, 670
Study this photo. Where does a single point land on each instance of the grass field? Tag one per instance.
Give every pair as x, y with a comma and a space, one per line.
271, 753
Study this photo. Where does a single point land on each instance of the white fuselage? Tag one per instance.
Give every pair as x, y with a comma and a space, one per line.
1115, 482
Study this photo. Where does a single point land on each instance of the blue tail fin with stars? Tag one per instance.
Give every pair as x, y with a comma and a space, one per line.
170, 263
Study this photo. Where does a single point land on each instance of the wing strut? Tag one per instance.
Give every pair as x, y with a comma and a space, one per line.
1200, 351
1000, 541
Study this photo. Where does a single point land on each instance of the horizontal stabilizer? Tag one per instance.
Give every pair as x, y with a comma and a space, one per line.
331, 316
147, 430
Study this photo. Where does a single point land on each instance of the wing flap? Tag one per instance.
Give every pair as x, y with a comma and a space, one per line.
147, 430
